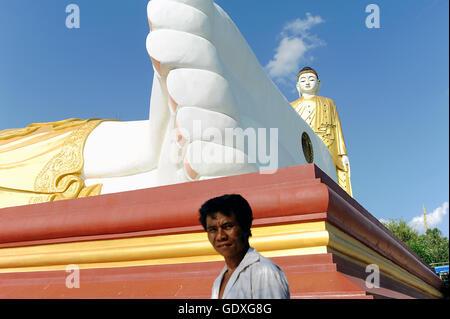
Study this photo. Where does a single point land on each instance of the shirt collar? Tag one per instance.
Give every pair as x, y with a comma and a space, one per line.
250, 257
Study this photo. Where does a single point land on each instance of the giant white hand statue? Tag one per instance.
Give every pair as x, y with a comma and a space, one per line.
208, 86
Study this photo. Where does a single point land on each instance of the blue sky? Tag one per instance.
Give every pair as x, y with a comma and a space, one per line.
390, 84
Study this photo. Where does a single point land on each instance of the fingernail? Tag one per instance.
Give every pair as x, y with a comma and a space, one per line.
173, 104
190, 173
181, 141
156, 65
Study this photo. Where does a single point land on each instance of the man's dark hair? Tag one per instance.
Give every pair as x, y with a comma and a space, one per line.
227, 205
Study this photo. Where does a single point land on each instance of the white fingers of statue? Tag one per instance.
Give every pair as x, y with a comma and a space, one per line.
209, 94
201, 101
218, 94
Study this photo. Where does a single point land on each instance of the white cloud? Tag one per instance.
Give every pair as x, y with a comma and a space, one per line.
295, 43
300, 26
434, 219
287, 57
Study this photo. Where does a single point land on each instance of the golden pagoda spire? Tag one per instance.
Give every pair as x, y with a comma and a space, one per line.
425, 219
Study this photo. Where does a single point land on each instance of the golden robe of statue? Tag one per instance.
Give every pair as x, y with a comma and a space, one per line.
321, 115
42, 162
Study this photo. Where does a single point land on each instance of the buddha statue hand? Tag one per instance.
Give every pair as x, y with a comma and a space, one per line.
213, 81
213, 110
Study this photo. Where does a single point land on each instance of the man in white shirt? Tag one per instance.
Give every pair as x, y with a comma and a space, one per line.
247, 274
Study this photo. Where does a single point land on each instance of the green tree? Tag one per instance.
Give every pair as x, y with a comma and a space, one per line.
402, 230
432, 247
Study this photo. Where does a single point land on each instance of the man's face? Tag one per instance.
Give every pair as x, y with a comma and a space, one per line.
225, 234
308, 83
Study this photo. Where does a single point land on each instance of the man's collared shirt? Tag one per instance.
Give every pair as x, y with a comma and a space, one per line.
256, 277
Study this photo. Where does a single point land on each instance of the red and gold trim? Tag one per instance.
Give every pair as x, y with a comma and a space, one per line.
152, 239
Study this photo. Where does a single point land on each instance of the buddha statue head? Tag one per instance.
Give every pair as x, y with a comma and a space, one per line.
308, 83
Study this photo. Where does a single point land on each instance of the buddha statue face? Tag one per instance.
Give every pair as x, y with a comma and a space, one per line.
308, 84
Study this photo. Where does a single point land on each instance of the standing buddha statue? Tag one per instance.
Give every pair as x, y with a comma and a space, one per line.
321, 114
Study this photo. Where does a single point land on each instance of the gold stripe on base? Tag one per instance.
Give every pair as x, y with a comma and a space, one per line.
272, 241
350, 249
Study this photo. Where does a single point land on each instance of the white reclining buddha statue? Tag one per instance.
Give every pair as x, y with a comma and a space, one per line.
213, 112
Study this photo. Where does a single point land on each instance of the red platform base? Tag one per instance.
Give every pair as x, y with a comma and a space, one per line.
122, 242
